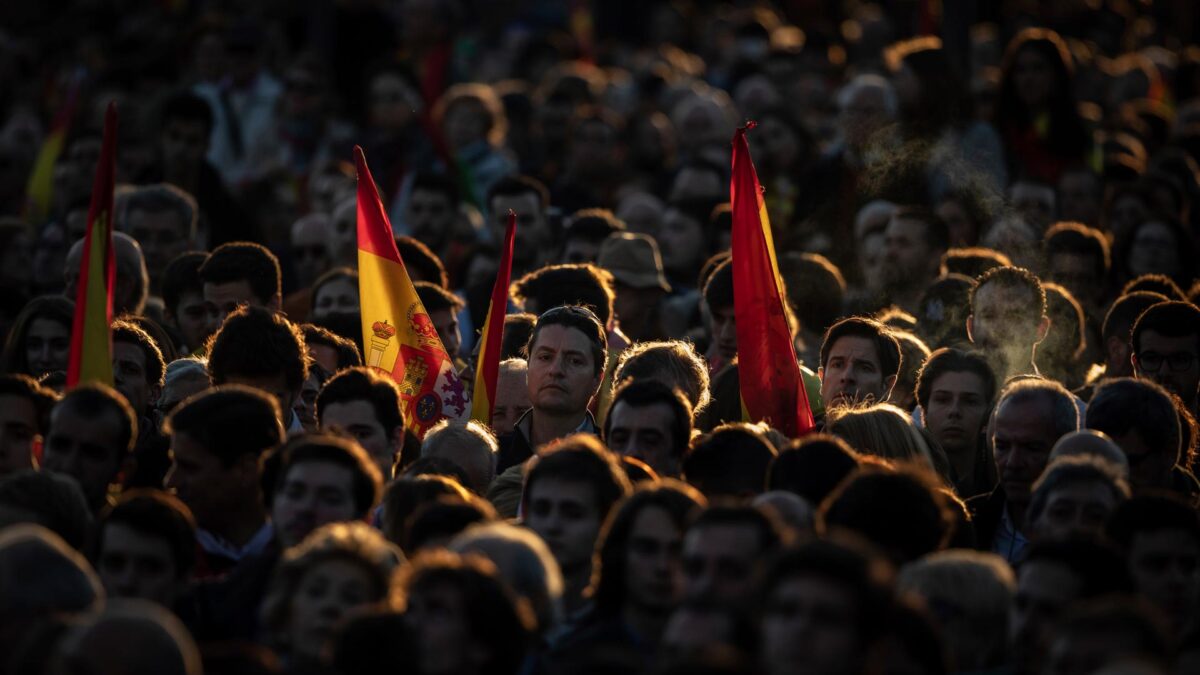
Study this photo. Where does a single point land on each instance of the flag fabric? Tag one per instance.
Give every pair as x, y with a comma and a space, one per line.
483, 398
399, 338
39, 191
771, 385
91, 337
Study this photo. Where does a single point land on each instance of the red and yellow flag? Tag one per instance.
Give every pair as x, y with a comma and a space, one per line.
39, 191
91, 338
398, 336
772, 388
483, 398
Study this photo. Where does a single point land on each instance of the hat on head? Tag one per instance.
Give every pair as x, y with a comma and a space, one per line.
633, 260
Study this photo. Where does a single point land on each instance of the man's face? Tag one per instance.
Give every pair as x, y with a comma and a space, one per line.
852, 373
193, 473
445, 321
430, 217
1079, 197
326, 592
192, 320
1081, 506
562, 374
809, 628
1077, 272
358, 419
566, 516
184, 143
221, 300
718, 562
313, 493
1044, 590
135, 564
18, 431
87, 449
681, 240
1034, 202
312, 248
653, 562
580, 250
863, 115
305, 406
275, 385
645, 433
512, 399
1022, 440
723, 326
533, 232
957, 411
908, 261
130, 377
163, 236
336, 297
1001, 327
1172, 362
1150, 466
1166, 569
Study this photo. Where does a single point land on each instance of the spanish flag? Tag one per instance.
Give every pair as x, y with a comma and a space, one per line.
483, 398
39, 191
399, 337
772, 388
91, 339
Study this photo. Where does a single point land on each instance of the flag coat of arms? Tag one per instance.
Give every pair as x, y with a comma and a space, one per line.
399, 338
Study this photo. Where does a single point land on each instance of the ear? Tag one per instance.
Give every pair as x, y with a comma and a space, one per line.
1042, 329
971, 328
889, 383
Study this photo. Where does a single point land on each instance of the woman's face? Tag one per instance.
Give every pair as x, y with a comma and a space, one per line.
326, 592
47, 346
1154, 251
1033, 77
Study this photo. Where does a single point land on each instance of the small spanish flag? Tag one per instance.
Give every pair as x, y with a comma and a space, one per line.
772, 388
91, 338
483, 398
39, 191
399, 337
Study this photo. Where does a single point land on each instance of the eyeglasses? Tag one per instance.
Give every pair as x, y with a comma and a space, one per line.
1177, 362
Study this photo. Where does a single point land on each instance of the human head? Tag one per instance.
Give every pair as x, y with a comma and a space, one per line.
731, 461
913, 355
942, 311
332, 352
39, 341
812, 467
334, 570
1074, 494
470, 445
186, 124
1108, 634
162, 218
1077, 257
335, 292
955, 390
183, 299
408, 493
914, 240
1034, 201
24, 420
92, 434
219, 437
860, 361
1166, 348
673, 362
146, 547
973, 261
1160, 537
261, 349
471, 113
138, 366
866, 104
567, 353
42, 576
523, 561
130, 636
512, 395
239, 273
652, 422
815, 287
367, 406
722, 318
1008, 318
568, 493
724, 550
432, 208
583, 285
317, 479
1140, 417
1031, 415
421, 262
882, 430
312, 247
51, 500
132, 284
529, 198
443, 308
1118, 324
585, 231
183, 378
1092, 443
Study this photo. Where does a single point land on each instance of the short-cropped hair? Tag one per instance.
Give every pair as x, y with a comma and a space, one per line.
1079, 239
582, 319
94, 400
643, 393
131, 333
523, 560
42, 398
950, 360
580, 458
436, 298
1172, 319
159, 198
229, 421
1061, 403
158, 514
887, 348
812, 467
54, 498
244, 261
348, 355
1071, 471
363, 384
256, 342
730, 461
973, 261
675, 362
1118, 322
41, 575
367, 482
1126, 404
581, 284
182, 276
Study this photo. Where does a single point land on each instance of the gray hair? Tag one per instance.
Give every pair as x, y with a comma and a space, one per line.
867, 82
524, 561
1063, 411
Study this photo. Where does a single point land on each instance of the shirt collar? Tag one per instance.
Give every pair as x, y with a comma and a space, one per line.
217, 545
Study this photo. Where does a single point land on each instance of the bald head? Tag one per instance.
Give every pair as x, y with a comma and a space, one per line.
1091, 443
132, 637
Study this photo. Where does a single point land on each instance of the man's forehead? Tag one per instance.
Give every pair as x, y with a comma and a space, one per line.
561, 490
1153, 340
993, 293
854, 346
319, 473
561, 338
354, 411
652, 414
229, 290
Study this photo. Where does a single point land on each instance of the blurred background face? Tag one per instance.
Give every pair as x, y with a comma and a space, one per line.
1154, 251
393, 103
1033, 77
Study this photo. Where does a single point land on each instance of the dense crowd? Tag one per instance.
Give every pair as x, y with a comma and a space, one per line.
981, 214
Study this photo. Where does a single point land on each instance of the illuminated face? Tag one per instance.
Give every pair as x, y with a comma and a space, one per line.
563, 376
853, 373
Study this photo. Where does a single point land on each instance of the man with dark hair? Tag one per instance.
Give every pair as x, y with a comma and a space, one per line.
530, 200
566, 365
367, 406
585, 231
955, 390
162, 218
568, 493
146, 547
651, 422
675, 363
431, 211
138, 369
731, 461
552, 286
1166, 349
332, 352
717, 292
24, 420
1118, 324
1030, 416
723, 550
261, 349
1140, 417
1077, 257
421, 262
972, 261
443, 308
1160, 537
914, 240
218, 438
811, 467
183, 302
1008, 319
236, 274
1073, 495
92, 434
860, 361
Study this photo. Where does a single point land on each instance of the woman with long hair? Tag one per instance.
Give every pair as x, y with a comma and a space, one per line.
40, 339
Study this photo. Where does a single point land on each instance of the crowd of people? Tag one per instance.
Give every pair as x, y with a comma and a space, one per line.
982, 215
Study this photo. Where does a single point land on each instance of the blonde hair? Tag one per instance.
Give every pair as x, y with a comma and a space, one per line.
882, 430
